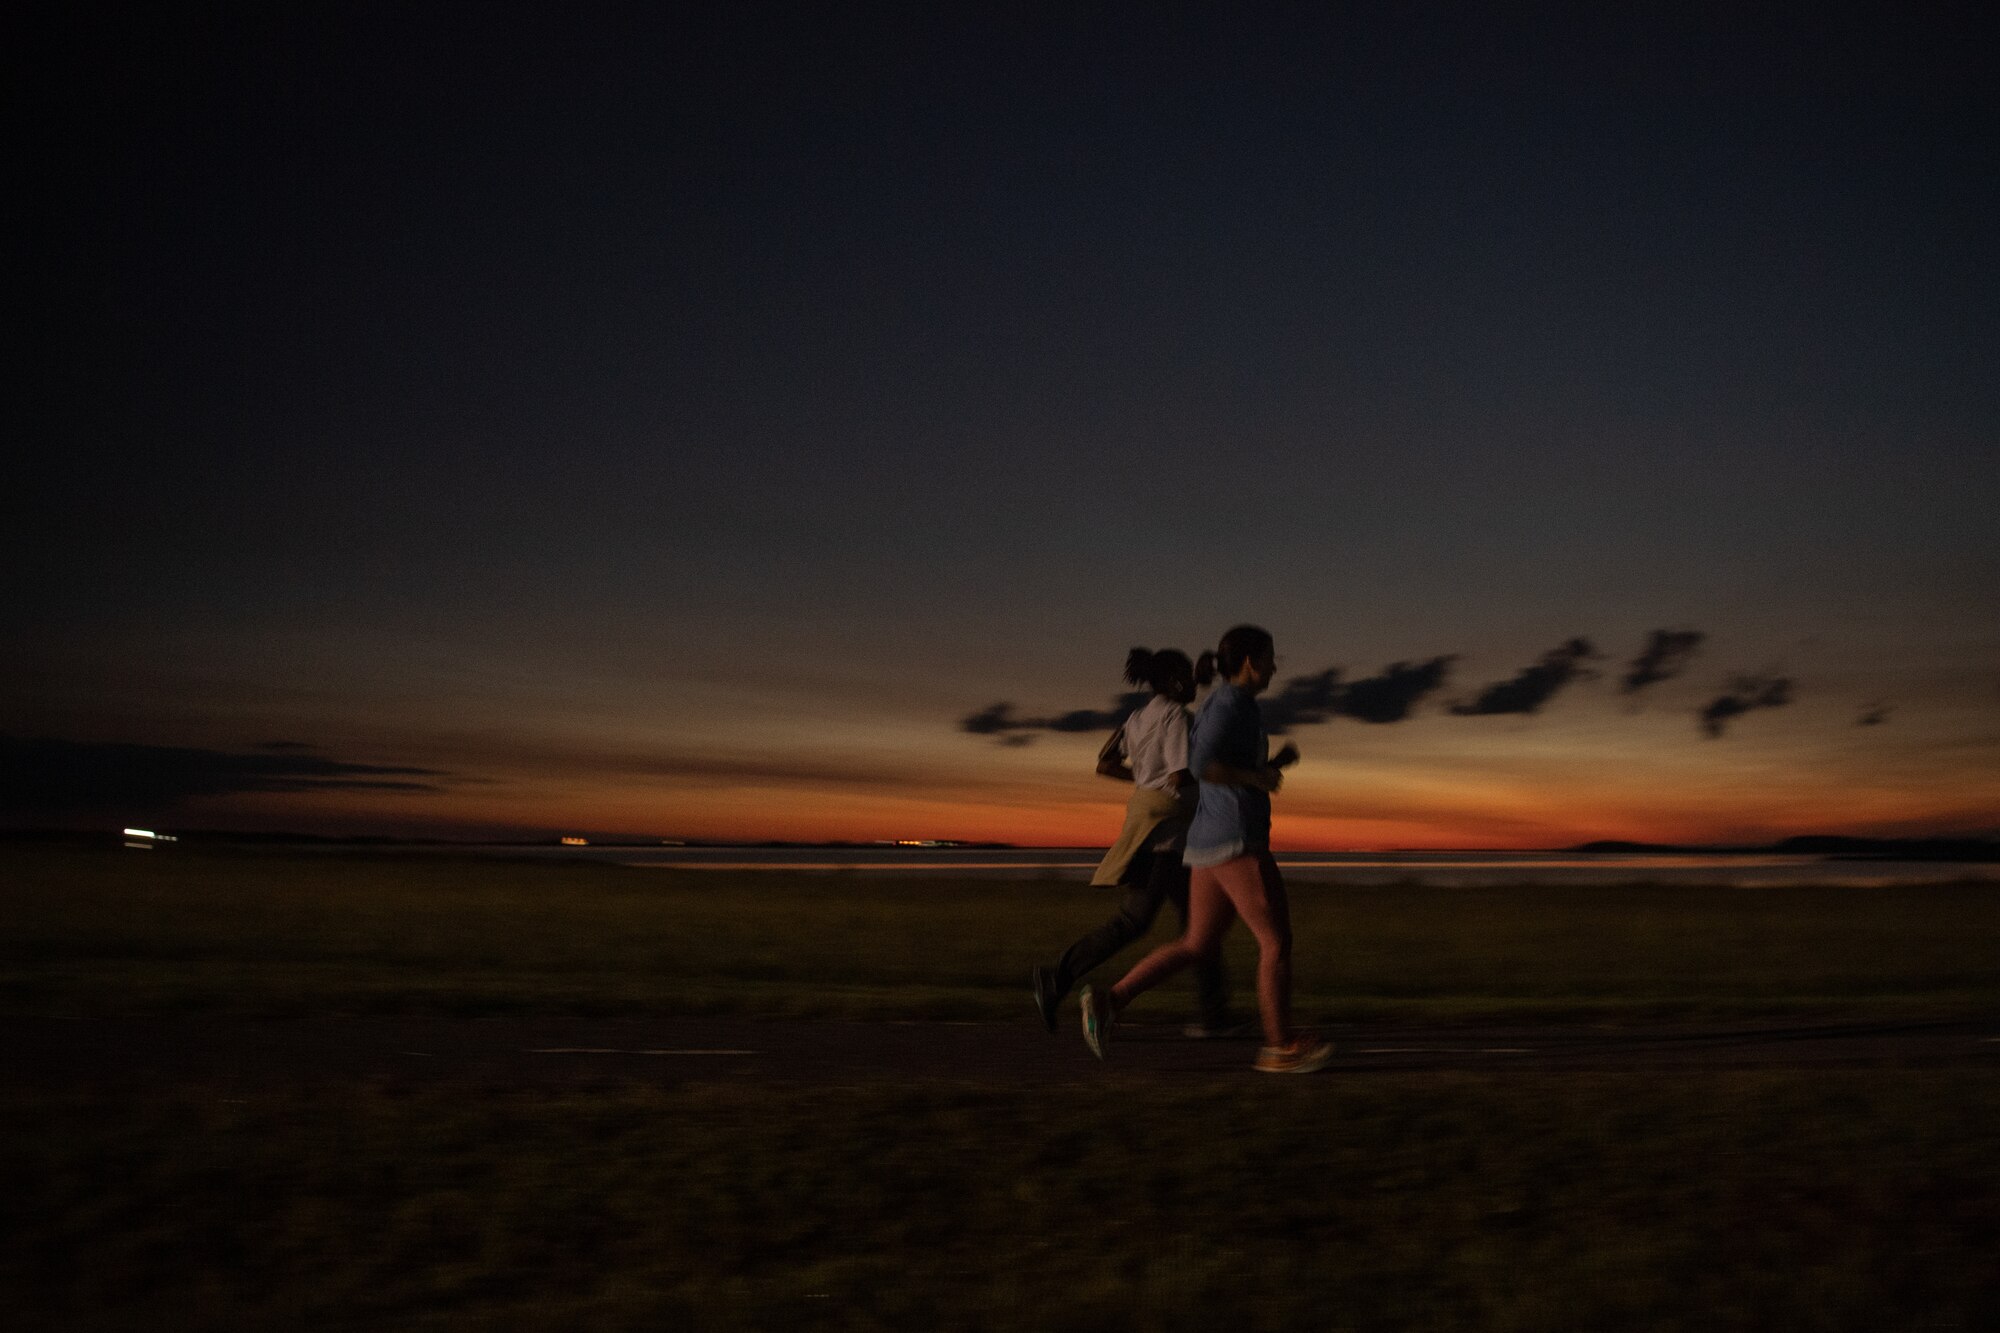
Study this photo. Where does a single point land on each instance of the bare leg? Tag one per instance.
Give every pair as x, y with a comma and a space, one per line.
1209, 915
1211, 982
1257, 892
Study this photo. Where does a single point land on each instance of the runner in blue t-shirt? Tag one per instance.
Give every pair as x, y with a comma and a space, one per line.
1229, 853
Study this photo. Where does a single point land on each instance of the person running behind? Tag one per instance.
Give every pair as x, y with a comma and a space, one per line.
1229, 850
1149, 751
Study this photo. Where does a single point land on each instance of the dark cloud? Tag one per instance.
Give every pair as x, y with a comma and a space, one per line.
285, 746
1874, 715
46, 776
1745, 693
1665, 656
991, 720
1000, 720
1303, 701
1097, 719
1535, 685
1390, 696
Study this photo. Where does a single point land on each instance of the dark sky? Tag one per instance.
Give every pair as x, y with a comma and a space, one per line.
578, 402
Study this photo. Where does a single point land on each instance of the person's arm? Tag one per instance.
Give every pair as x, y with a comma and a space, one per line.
1111, 759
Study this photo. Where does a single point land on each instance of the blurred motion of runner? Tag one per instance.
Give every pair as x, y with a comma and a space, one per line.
1229, 852
1150, 751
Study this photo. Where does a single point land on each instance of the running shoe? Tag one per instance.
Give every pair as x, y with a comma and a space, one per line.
1046, 999
1303, 1054
1096, 1020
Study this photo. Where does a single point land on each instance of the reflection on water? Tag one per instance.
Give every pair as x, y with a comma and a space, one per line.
1442, 869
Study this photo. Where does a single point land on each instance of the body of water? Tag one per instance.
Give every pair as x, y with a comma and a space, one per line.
1444, 869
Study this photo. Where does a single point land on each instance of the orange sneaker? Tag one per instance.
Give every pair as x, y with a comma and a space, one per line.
1303, 1054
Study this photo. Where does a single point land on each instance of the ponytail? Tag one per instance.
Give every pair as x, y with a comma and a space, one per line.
1157, 671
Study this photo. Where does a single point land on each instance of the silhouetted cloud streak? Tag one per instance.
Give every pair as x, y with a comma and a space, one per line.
1745, 694
1665, 656
992, 720
1388, 697
1304, 701
1874, 715
999, 719
1391, 696
48, 776
1535, 685
1096, 719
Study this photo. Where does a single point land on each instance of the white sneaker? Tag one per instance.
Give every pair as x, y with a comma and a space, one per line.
1096, 1020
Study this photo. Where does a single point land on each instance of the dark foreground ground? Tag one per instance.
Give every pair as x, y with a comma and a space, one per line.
270, 1092
202, 1173
53, 1053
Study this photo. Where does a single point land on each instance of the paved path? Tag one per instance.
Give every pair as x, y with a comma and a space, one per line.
59, 1053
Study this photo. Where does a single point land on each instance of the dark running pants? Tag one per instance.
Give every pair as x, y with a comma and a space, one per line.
1153, 878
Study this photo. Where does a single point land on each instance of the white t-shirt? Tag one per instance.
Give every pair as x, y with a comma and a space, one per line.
1155, 742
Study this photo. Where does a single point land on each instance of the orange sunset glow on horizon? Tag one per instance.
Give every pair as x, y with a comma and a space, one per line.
1516, 787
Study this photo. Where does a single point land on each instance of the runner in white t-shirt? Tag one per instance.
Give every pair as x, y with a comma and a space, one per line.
1150, 751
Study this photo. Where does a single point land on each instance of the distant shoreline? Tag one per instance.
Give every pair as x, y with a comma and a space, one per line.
1834, 847
1831, 846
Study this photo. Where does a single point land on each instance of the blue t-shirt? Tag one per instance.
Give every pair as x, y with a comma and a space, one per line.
1228, 821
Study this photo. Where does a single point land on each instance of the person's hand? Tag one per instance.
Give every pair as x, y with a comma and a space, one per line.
1286, 757
1274, 778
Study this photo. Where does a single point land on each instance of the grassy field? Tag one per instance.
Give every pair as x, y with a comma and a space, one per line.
1829, 1199
1842, 1200
276, 934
